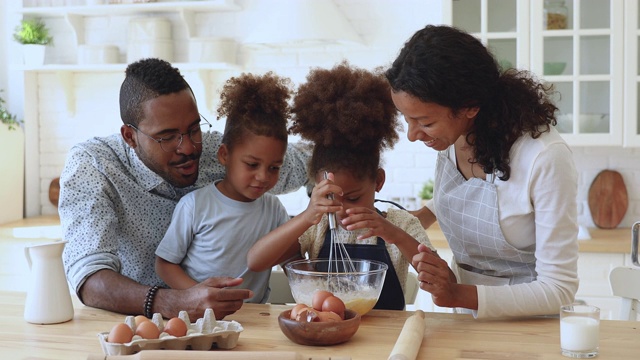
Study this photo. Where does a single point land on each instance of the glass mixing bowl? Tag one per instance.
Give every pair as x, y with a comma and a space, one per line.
359, 288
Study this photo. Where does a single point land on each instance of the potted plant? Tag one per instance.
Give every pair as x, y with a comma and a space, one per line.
33, 34
426, 192
12, 160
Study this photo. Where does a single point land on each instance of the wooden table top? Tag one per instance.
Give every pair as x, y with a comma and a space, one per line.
447, 336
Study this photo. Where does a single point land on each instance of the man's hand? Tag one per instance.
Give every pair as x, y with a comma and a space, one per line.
109, 290
212, 293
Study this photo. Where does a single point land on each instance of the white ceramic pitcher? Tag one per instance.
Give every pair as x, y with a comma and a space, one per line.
48, 298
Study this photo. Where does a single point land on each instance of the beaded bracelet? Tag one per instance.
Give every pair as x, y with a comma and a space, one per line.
148, 301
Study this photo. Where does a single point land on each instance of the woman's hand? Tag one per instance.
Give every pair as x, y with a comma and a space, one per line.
436, 278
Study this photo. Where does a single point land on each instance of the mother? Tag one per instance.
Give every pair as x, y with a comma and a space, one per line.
505, 184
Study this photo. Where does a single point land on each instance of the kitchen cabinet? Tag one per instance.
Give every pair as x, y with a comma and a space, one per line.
12, 184
632, 73
587, 57
503, 26
595, 289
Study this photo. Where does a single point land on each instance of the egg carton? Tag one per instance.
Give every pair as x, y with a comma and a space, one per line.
201, 335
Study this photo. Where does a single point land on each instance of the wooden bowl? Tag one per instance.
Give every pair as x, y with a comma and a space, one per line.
319, 333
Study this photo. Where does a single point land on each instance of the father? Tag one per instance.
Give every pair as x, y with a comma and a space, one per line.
117, 195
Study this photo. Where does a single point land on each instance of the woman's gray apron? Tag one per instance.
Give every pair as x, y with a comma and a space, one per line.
467, 212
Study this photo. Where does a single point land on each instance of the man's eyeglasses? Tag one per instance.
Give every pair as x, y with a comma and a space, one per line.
172, 142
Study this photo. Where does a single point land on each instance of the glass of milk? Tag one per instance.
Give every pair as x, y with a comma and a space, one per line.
579, 330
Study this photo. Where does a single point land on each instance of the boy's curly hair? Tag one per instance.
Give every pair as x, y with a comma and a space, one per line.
348, 114
257, 104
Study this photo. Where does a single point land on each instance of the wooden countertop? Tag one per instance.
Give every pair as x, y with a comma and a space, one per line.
447, 336
602, 240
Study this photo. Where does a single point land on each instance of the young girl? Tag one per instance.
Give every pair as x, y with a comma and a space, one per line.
213, 227
349, 116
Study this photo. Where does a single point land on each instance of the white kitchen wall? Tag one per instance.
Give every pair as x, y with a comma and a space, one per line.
384, 25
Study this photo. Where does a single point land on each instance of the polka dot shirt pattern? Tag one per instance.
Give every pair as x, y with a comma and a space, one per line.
114, 210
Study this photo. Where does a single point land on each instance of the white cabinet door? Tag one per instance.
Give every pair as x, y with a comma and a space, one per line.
502, 25
632, 73
584, 60
591, 82
593, 272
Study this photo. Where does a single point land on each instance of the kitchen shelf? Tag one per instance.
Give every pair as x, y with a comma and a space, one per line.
66, 74
94, 68
127, 9
74, 15
578, 32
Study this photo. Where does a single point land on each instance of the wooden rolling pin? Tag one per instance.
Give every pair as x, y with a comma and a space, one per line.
408, 343
213, 355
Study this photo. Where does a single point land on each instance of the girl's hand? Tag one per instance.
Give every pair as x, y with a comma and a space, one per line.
319, 203
365, 218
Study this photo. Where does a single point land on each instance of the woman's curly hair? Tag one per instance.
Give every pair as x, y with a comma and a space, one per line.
257, 104
349, 116
446, 66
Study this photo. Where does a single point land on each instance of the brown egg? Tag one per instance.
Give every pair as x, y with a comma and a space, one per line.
326, 316
139, 319
296, 310
334, 304
148, 330
318, 298
120, 334
176, 327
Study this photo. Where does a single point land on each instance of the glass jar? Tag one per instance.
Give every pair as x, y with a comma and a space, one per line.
555, 14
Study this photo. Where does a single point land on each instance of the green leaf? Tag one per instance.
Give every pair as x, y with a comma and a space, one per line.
427, 190
32, 31
8, 118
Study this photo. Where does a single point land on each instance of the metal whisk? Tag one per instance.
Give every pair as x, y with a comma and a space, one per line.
339, 259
